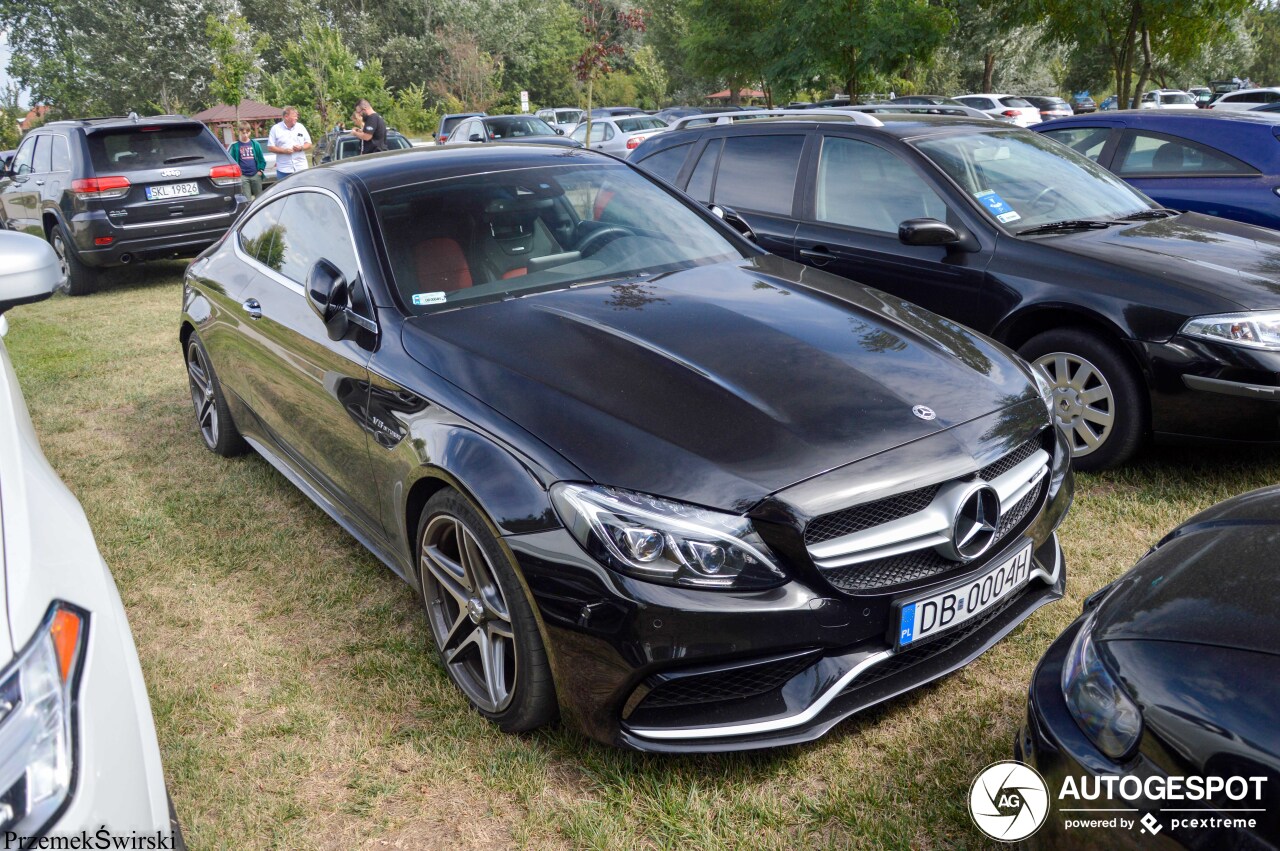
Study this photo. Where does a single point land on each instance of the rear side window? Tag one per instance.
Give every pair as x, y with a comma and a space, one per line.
61, 154
705, 172
130, 149
1083, 140
759, 172
666, 164
1146, 154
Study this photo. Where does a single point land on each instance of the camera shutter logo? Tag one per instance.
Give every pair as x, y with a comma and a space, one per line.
1009, 801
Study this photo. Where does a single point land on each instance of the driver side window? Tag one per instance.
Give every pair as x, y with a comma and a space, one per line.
22, 160
312, 227
863, 186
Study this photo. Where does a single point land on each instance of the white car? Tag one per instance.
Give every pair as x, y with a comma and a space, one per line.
1003, 107
1246, 99
562, 117
78, 750
1167, 99
619, 135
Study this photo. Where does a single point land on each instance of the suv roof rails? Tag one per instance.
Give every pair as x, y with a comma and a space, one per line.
820, 114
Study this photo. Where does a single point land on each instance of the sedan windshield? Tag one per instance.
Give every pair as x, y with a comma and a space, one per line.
1024, 180
1178, 98
486, 237
518, 127
639, 125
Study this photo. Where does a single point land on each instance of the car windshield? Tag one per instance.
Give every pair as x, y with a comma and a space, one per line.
481, 238
1177, 97
639, 125
518, 127
1023, 180
568, 116
1015, 103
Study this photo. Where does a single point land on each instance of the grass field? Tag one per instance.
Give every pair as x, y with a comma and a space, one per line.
298, 703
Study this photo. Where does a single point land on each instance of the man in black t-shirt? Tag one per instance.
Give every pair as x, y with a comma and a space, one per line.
373, 135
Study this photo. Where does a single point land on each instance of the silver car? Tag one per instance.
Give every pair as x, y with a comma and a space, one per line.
619, 135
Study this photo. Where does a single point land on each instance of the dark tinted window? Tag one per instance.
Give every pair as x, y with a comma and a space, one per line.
862, 186
311, 228
128, 149
258, 235
44, 155
759, 172
61, 154
1149, 154
705, 172
1083, 140
666, 164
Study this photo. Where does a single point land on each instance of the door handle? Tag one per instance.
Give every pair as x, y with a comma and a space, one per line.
819, 254
39, 183
253, 308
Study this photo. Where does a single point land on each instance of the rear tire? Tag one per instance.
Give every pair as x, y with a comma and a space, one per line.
213, 417
1098, 395
77, 278
481, 618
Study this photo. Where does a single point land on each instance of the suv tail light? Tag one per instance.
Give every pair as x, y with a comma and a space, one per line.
225, 175
101, 187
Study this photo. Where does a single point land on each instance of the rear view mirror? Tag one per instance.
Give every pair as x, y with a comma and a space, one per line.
29, 269
927, 232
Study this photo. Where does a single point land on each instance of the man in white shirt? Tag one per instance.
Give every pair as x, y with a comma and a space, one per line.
289, 141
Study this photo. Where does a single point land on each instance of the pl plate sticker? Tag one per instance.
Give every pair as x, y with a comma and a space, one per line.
420, 299
997, 206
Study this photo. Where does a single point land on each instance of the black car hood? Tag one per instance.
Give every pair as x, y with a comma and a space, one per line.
720, 384
1238, 262
1212, 581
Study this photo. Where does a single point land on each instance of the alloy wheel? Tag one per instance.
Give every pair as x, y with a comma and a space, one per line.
468, 613
202, 394
64, 265
1083, 401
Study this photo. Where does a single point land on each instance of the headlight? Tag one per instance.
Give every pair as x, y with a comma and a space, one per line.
668, 542
37, 751
1104, 712
1045, 388
1256, 329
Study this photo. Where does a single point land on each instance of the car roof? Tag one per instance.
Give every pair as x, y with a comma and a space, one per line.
900, 125
1250, 91
1153, 116
111, 122
408, 166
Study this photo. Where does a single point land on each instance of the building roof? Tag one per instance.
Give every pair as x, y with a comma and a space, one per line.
742, 93
250, 110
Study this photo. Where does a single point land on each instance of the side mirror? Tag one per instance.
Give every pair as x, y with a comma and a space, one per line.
927, 232
29, 269
476, 137
328, 295
559, 131
733, 220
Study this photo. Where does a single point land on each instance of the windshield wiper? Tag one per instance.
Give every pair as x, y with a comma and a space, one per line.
1157, 213
183, 159
1067, 224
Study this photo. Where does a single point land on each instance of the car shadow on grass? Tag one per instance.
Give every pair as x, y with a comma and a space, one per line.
143, 275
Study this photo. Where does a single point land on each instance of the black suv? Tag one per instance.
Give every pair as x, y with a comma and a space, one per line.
108, 191
1143, 319
342, 146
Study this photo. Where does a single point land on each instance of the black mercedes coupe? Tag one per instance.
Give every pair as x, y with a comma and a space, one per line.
695, 496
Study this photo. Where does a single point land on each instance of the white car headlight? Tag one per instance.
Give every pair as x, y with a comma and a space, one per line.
664, 541
1107, 715
1255, 329
37, 748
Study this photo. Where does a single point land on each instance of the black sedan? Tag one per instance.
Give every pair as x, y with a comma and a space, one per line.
1145, 320
1160, 706
700, 497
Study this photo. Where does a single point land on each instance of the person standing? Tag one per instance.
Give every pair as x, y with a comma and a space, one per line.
248, 154
289, 141
373, 133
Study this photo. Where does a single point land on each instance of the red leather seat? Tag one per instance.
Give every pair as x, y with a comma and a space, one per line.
442, 267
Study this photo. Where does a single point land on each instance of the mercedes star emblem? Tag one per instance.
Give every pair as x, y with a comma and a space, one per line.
924, 412
974, 529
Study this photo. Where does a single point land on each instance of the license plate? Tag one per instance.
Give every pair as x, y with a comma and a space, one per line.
946, 610
171, 190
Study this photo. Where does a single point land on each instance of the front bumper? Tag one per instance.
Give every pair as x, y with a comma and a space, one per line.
1207, 391
659, 668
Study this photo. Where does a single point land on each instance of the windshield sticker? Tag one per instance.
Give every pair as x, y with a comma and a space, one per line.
997, 206
420, 299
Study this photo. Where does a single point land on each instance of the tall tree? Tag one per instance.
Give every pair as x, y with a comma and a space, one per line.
603, 26
732, 41
237, 59
323, 79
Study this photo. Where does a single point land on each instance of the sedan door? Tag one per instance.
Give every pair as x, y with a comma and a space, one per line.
309, 392
19, 195
860, 194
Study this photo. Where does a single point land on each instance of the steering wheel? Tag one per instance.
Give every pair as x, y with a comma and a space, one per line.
1046, 200
597, 239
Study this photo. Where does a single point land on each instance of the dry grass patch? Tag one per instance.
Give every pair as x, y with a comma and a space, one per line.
297, 699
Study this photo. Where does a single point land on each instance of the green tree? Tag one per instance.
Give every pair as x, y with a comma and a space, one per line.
323, 79
603, 26
734, 41
1262, 22
237, 59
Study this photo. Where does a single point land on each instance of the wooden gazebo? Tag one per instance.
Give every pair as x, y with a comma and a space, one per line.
221, 119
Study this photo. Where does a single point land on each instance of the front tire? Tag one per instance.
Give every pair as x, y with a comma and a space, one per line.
1098, 395
77, 278
480, 617
213, 417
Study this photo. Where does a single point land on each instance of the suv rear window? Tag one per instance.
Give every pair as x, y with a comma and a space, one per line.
135, 149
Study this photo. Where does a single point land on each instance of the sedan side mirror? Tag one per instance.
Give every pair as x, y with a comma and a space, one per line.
29, 269
559, 131
329, 294
927, 232
733, 220
476, 137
